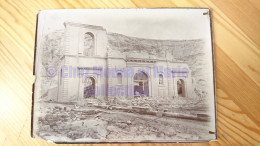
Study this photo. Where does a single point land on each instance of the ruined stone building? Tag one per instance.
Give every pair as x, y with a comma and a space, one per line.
92, 67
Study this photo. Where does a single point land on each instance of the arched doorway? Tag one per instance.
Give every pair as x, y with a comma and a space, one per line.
141, 84
181, 88
89, 87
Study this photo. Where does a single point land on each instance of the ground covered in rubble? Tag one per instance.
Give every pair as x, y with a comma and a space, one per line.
65, 122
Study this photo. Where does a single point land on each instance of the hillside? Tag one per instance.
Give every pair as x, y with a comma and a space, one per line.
52, 50
188, 51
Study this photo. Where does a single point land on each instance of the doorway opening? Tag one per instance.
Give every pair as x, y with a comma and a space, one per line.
181, 88
141, 84
89, 87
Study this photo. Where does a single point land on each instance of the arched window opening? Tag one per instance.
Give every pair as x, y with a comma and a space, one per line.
89, 44
119, 78
160, 79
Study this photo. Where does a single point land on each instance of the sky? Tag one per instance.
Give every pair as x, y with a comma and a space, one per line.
164, 24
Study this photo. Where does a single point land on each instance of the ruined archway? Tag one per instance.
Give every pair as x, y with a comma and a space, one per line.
89, 87
141, 84
181, 88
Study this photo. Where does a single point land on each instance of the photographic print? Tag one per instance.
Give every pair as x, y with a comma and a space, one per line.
124, 75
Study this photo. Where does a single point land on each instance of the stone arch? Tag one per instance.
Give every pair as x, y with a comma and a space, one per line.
181, 88
119, 78
89, 44
160, 79
89, 87
141, 84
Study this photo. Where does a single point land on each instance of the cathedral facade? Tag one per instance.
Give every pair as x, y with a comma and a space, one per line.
91, 68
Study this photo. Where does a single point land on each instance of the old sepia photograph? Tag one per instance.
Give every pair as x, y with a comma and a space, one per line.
124, 76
